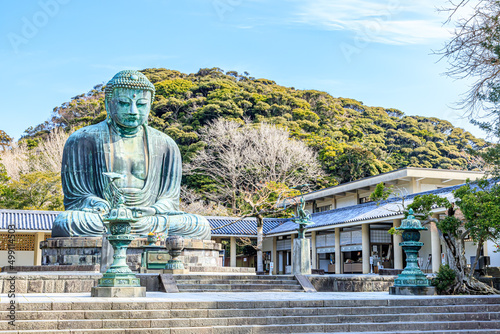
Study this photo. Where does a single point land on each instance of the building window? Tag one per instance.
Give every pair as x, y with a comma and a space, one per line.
22, 242
323, 208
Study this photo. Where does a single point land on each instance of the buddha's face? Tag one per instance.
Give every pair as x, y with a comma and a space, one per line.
129, 107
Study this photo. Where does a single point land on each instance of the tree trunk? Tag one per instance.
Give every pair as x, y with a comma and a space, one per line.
464, 283
260, 234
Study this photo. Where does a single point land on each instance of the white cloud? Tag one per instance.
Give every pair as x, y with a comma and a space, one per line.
388, 22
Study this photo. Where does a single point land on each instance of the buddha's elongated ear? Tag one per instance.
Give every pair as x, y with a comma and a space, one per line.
108, 113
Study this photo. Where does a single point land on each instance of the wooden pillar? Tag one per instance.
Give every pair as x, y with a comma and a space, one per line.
365, 246
314, 255
281, 260
398, 250
274, 255
338, 257
37, 258
435, 245
233, 252
292, 236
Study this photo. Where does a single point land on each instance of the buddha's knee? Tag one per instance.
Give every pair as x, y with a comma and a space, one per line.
190, 226
77, 223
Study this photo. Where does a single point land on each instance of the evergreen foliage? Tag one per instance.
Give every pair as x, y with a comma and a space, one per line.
352, 140
444, 280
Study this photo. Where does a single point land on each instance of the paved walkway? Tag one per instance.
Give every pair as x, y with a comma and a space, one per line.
217, 296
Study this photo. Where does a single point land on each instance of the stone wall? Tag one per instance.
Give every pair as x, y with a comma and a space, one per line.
87, 251
351, 283
40, 283
64, 283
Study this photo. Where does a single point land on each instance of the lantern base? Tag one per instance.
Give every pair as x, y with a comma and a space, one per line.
176, 271
124, 291
412, 290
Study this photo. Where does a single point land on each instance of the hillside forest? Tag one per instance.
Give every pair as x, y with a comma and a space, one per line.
349, 139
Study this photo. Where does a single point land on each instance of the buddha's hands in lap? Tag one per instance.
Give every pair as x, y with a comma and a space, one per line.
174, 213
142, 211
98, 207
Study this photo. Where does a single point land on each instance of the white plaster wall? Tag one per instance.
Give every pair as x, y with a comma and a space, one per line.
323, 202
494, 257
427, 187
404, 188
23, 258
364, 194
470, 250
346, 201
267, 245
426, 249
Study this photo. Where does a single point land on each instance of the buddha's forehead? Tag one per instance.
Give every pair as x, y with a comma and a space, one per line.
131, 93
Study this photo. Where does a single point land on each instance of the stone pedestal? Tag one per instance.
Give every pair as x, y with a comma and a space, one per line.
126, 291
198, 256
412, 290
301, 262
79, 251
176, 271
106, 255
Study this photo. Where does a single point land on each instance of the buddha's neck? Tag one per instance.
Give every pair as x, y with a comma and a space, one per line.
126, 132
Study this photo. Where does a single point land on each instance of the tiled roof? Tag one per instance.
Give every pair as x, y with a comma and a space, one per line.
27, 220
42, 220
247, 226
361, 212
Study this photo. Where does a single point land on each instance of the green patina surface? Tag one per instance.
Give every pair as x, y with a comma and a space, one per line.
118, 222
302, 216
411, 275
148, 161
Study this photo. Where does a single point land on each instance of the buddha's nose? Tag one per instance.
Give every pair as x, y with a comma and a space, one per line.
133, 109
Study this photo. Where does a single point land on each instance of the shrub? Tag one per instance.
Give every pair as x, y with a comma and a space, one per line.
444, 279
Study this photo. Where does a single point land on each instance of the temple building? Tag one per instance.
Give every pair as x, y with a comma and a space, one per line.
349, 235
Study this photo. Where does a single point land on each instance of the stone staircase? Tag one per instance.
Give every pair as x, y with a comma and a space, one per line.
417, 315
237, 283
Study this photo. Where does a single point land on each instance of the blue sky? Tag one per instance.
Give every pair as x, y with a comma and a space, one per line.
378, 52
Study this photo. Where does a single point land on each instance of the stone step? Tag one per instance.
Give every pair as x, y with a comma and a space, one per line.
250, 277
409, 327
230, 281
231, 330
237, 286
200, 321
457, 331
255, 312
377, 304
246, 290
162, 326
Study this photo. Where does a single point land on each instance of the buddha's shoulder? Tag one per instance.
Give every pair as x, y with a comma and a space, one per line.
158, 135
88, 132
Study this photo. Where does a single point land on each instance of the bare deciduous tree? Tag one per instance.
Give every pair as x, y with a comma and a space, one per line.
242, 158
251, 164
193, 203
46, 157
473, 52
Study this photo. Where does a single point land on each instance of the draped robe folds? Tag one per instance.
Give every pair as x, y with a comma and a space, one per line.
87, 155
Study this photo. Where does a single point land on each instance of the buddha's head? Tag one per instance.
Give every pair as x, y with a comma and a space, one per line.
128, 99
